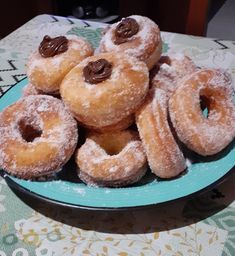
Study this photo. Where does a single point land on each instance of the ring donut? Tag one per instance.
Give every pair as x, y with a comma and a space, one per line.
135, 35
204, 135
170, 70
163, 154
38, 136
120, 126
111, 159
29, 89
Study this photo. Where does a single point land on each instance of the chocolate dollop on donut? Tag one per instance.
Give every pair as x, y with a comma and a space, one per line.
50, 47
97, 71
125, 29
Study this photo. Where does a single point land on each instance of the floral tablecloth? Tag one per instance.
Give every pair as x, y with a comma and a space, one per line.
203, 225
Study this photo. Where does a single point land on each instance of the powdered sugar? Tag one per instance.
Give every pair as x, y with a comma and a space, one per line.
29, 89
164, 156
80, 191
170, 74
47, 73
58, 139
188, 162
167, 67
218, 129
141, 45
114, 98
98, 167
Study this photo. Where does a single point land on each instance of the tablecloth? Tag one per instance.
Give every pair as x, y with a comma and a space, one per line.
202, 225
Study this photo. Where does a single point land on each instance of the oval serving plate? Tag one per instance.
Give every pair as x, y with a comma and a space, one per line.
200, 176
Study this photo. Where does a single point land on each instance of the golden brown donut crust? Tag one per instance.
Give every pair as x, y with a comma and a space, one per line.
46, 153
171, 69
204, 135
111, 159
46, 74
120, 126
146, 45
110, 101
163, 154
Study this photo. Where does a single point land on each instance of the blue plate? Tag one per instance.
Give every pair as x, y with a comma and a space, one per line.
201, 175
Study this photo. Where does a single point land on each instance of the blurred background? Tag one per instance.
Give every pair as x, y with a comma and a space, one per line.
212, 18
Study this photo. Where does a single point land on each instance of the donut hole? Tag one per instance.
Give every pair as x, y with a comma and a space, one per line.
111, 146
205, 105
112, 149
29, 131
114, 143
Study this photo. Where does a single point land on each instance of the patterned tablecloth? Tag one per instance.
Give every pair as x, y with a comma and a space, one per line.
204, 225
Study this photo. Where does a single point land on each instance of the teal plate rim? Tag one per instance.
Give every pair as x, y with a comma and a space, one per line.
200, 177
20, 188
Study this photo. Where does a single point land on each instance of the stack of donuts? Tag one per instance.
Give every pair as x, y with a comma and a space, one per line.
137, 108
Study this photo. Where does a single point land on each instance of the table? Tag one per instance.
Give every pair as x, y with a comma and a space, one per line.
202, 225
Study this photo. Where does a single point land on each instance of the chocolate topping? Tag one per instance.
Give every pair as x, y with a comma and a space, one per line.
97, 71
50, 47
125, 29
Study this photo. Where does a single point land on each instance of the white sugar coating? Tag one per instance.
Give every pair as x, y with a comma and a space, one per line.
35, 63
98, 167
163, 154
159, 98
78, 44
159, 108
215, 115
93, 146
188, 162
60, 137
206, 136
114, 169
123, 91
167, 67
29, 89
118, 69
147, 36
46, 74
80, 191
222, 79
170, 74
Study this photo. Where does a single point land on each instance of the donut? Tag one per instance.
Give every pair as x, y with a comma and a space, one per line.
164, 156
111, 159
135, 35
54, 58
104, 89
205, 135
30, 89
121, 125
38, 136
170, 70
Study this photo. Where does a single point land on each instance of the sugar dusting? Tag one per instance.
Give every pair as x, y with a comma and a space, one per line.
218, 129
169, 76
175, 162
125, 88
102, 168
147, 36
61, 137
29, 89
51, 70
